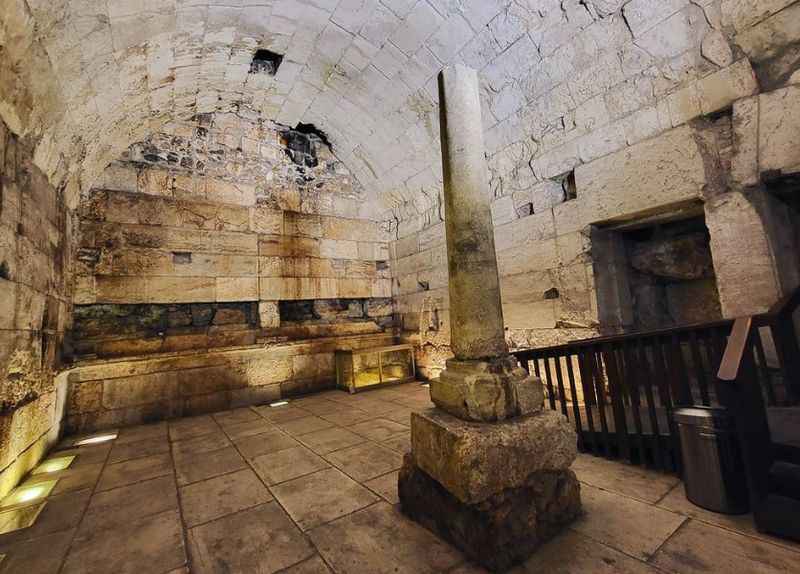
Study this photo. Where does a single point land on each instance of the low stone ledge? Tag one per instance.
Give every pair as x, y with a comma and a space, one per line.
477, 460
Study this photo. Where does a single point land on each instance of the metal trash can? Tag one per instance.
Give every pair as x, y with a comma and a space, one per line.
712, 462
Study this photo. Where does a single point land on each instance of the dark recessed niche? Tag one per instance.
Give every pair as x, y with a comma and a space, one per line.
181, 257
552, 294
265, 62
570, 188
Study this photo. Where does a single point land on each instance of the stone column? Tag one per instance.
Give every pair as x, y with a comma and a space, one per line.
476, 315
488, 468
483, 382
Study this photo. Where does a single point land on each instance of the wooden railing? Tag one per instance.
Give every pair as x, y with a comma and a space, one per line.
620, 392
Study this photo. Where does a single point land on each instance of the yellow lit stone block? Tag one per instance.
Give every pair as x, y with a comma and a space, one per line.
28, 494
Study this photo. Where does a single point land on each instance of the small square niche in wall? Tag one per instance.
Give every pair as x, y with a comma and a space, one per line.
181, 257
265, 62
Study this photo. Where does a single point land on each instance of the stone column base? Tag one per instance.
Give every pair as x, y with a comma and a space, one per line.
496, 491
501, 531
489, 390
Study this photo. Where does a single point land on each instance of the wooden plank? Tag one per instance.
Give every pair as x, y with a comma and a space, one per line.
616, 389
634, 378
549, 380
699, 369
576, 413
560, 383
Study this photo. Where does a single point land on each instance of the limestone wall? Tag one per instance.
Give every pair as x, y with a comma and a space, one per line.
221, 210
111, 393
638, 111
35, 248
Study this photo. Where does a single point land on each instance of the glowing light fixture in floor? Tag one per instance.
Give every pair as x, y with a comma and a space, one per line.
54, 465
425, 385
279, 404
97, 439
19, 518
26, 494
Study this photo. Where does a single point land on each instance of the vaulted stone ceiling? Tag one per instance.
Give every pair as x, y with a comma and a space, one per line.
89, 78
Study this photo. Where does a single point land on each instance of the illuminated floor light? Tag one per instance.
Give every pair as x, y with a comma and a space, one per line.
23, 495
54, 465
425, 385
96, 439
20, 518
279, 404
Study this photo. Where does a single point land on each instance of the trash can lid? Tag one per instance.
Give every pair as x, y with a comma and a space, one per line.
710, 417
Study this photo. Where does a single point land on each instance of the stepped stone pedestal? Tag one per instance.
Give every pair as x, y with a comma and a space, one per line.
489, 467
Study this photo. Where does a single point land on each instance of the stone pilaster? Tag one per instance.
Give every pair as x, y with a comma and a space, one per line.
488, 468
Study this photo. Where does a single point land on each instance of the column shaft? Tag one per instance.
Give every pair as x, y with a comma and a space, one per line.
476, 313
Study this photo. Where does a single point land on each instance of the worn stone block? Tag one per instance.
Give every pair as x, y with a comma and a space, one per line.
474, 461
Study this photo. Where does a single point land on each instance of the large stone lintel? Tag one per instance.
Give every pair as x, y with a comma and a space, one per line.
488, 390
501, 531
475, 461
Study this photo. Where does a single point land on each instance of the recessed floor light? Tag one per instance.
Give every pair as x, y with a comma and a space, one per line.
19, 518
25, 494
98, 439
425, 385
279, 404
54, 465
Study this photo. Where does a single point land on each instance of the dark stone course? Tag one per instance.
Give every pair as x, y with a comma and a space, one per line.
501, 531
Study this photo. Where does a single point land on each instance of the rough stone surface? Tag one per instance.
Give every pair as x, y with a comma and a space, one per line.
504, 529
473, 461
487, 391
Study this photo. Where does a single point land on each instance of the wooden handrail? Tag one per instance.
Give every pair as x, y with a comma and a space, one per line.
735, 350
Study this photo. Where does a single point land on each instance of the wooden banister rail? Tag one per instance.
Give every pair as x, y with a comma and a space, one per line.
735, 350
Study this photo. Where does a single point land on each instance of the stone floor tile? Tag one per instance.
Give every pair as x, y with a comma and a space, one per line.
400, 442
321, 407
287, 464
281, 414
148, 544
380, 540
572, 553
222, 495
138, 449
261, 539
366, 461
305, 425
136, 470
401, 415
205, 443
699, 547
40, 556
236, 416
191, 427
113, 508
676, 501
200, 466
630, 480
348, 416
143, 432
251, 428
377, 406
385, 486
59, 513
633, 527
378, 429
314, 565
320, 497
265, 443
329, 440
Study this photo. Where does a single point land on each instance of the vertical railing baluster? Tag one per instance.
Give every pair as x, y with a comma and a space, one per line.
586, 377
699, 370
763, 368
600, 392
549, 381
616, 388
560, 383
659, 459
576, 411
633, 377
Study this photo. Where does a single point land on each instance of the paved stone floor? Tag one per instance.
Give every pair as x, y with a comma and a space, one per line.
311, 487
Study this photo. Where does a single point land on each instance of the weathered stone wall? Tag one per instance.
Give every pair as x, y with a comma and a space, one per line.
626, 120
112, 393
223, 209
35, 307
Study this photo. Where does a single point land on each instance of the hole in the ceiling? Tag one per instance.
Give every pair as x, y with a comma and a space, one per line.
266, 62
301, 143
